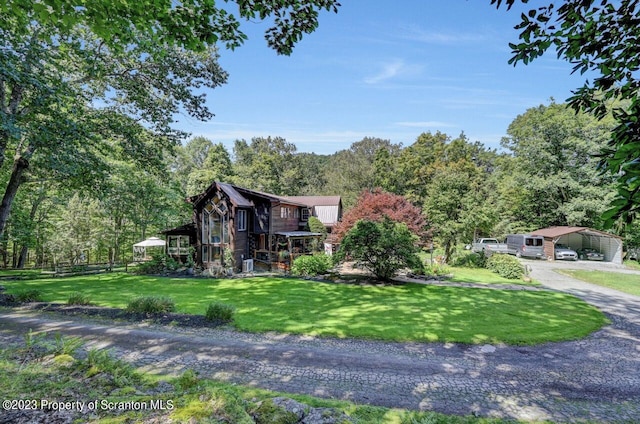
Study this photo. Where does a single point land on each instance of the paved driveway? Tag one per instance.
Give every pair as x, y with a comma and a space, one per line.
597, 378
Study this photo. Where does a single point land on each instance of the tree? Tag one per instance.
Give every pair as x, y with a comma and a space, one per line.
351, 171
381, 247
599, 37
267, 164
554, 176
50, 92
378, 205
191, 24
216, 166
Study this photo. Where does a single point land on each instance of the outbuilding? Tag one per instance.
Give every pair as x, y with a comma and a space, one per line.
577, 238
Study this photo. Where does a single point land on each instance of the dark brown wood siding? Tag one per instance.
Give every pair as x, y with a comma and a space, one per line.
290, 223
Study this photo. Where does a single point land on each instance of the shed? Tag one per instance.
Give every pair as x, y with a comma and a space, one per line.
580, 237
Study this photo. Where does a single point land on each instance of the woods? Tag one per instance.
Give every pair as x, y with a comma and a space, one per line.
448, 189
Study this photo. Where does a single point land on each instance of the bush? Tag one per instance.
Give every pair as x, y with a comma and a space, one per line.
383, 248
220, 312
311, 265
151, 305
157, 265
471, 260
506, 266
79, 299
28, 296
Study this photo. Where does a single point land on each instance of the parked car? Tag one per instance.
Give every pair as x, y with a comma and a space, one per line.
589, 254
485, 245
563, 252
525, 245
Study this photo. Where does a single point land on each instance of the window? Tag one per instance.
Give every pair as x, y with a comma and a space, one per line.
241, 216
296, 213
285, 212
305, 214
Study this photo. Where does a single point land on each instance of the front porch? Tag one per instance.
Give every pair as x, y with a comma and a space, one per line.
284, 248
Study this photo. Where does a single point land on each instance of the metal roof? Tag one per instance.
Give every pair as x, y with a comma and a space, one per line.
316, 200
299, 234
553, 232
235, 197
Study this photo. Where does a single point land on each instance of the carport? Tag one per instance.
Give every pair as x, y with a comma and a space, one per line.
608, 244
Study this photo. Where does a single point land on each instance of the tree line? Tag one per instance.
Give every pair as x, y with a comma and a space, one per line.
545, 173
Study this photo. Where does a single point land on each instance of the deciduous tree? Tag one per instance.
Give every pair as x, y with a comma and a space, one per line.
377, 205
599, 38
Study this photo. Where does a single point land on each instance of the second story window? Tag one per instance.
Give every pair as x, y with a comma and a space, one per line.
242, 220
305, 214
285, 212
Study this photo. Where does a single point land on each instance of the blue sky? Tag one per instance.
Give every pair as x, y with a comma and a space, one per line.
384, 69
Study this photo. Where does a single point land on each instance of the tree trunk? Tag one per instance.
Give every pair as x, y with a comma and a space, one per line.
20, 165
23, 256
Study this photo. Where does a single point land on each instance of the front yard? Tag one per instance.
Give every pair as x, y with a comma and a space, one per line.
411, 312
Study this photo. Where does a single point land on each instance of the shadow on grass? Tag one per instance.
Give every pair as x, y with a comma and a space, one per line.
411, 312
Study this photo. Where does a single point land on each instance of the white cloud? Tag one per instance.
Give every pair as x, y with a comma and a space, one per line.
415, 33
388, 71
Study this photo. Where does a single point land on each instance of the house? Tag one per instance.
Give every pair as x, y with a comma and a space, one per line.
234, 226
580, 237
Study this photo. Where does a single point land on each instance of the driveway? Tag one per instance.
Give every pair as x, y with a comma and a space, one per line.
596, 379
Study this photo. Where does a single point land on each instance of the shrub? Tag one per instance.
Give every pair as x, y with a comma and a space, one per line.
79, 299
506, 266
311, 265
28, 296
383, 248
471, 260
220, 312
151, 305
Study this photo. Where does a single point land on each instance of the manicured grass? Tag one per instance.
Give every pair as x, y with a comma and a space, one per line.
412, 312
483, 276
628, 283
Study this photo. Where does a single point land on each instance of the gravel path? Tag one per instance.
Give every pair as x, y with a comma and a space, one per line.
596, 379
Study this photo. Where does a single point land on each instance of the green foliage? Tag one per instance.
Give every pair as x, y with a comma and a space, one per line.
382, 247
553, 178
470, 260
269, 413
505, 266
593, 36
316, 226
220, 312
157, 265
29, 295
310, 265
188, 380
78, 298
100, 361
151, 305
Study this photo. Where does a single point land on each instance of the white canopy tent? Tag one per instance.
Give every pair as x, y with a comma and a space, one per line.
140, 249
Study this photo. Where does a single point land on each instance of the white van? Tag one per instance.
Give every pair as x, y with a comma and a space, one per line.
525, 245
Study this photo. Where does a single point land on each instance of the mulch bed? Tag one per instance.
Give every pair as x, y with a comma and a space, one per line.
180, 320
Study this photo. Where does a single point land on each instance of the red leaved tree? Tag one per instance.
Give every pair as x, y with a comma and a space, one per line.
376, 204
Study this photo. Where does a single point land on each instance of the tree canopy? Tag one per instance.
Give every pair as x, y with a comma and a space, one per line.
600, 38
192, 24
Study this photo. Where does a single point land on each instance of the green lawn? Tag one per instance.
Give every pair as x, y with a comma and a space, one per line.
483, 276
628, 283
412, 312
